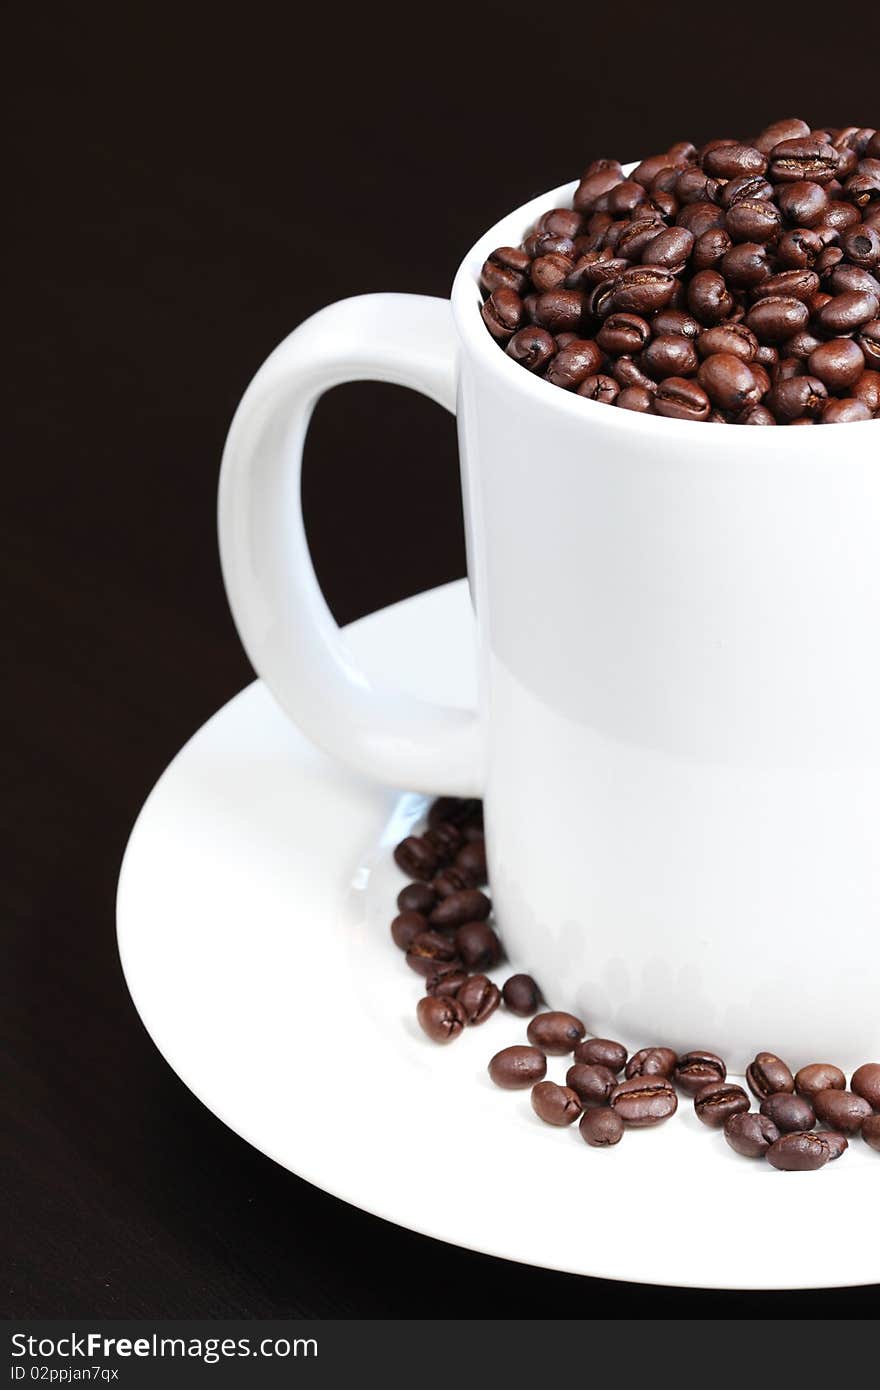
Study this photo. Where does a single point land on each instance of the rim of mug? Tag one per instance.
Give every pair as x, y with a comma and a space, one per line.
466, 299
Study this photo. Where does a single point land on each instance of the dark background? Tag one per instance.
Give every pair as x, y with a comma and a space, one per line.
188, 185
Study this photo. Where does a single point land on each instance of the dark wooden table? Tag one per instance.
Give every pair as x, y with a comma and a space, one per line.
189, 184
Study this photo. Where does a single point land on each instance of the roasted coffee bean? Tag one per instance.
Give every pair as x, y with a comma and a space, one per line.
521, 995
416, 857
694, 1070
441, 1019
674, 321
861, 245
591, 1083
478, 946
750, 1134
601, 1128
445, 840
868, 340
450, 881
799, 1153
867, 390
791, 129
681, 399
841, 1110
792, 161
636, 398
503, 313
732, 338
578, 359
847, 312
417, 897
746, 188
791, 284
461, 812
471, 861
777, 317
515, 1068
669, 247
549, 271
845, 412
732, 161
636, 237
600, 388
406, 927
708, 297
555, 1105
795, 397
695, 186
756, 415
445, 981
468, 905
819, 1076
788, 1112
800, 345
768, 1075
839, 216
479, 998
643, 289
623, 333
644, 1100
700, 218
506, 269
561, 222
871, 1132
728, 382
651, 1061
669, 355
747, 264
628, 373
429, 949
803, 203
837, 1142
602, 1052
556, 1033
752, 220
715, 1103
710, 248
838, 363
866, 1083
560, 310
532, 347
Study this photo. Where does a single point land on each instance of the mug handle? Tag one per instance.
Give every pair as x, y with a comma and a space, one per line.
282, 617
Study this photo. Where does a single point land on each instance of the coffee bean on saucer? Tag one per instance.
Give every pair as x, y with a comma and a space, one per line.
515, 1068
471, 861
428, 950
449, 881
768, 1075
750, 1134
556, 1033
601, 1129
601, 1052
871, 1132
651, 1061
406, 927
555, 1105
788, 1112
441, 1019
593, 1084
694, 1070
478, 946
479, 998
416, 857
819, 1076
841, 1110
446, 980
799, 1153
644, 1100
416, 897
467, 905
866, 1083
521, 995
716, 1102
837, 1142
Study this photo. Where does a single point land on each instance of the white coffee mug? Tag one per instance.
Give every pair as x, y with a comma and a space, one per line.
678, 739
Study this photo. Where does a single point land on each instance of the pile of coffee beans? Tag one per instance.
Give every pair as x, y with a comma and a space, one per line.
737, 282
444, 926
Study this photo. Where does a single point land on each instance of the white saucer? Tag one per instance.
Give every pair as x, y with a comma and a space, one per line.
253, 910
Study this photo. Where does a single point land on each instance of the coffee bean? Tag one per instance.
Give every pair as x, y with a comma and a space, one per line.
750, 1134
503, 313
700, 218
602, 1052
446, 980
600, 388
445, 841
628, 373
845, 412
601, 1129
747, 264
777, 317
416, 857
756, 415
794, 397
799, 1153
592, 1084
643, 289
791, 284
805, 157
505, 269
803, 203
867, 390
694, 1070
449, 881
716, 1102
731, 338
836, 1142
521, 995
866, 1083
838, 363
515, 1068
578, 359
478, 946
708, 297
479, 998
768, 1075
467, 905
753, 220
669, 355
623, 333
555, 1033
428, 949
819, 1076
461, 812
652, 1061
673, 321
637, 398
669, 247
847, 312
532, 347
416, 897
559, 310
841, 1110
791, 129
710, 248
644, 1100
555, 1105
471, 861
681, 399
728, 382
406, 927
442, 1019
868, 339
788, 1112
871, 1132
